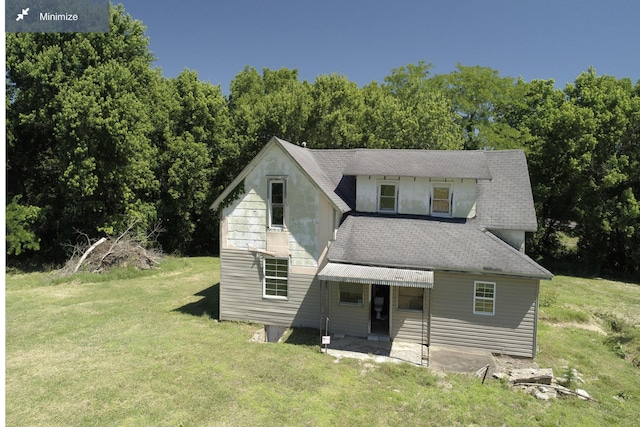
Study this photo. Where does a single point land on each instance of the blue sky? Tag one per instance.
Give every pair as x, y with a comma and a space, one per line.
365, 40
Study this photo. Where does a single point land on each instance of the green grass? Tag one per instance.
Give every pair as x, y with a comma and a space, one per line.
143, 348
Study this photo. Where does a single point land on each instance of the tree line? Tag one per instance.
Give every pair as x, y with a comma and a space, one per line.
99, 141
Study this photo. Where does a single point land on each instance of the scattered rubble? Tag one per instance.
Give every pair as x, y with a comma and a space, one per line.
540, 383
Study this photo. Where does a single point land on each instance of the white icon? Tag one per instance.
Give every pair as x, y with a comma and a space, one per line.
22, 15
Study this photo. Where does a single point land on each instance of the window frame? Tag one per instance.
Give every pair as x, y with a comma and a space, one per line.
271, 204
395, 197
477, 298
399, 298
266, 278
448, 186
353, 304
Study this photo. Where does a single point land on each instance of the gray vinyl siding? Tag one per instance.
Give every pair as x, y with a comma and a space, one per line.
348, 319
511, 330
406, 325
241, 294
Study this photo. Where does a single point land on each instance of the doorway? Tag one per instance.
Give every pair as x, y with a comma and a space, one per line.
380, 323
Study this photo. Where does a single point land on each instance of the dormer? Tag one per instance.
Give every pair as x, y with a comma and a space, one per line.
418, 182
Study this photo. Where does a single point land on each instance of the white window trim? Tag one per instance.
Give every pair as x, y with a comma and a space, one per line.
283, 181
379, 194
440, 214
265, 277
476, 298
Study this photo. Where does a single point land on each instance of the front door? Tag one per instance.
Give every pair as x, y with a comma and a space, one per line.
379, 310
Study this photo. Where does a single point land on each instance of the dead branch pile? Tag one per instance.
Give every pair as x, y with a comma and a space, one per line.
126, 250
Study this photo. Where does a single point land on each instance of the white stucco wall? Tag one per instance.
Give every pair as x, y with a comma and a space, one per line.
414, 195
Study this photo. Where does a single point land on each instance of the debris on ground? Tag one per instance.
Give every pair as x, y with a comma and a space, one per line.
542, 384
129, 249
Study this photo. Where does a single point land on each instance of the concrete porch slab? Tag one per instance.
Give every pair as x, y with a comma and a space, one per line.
446, 359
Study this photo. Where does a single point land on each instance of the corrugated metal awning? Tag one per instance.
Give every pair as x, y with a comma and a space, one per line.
376, 275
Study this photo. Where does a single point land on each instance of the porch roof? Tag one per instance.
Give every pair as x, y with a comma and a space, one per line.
365, 274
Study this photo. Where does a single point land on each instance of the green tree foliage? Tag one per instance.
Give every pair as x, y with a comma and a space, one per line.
78, 123
412, 112
19, 222
336, 113
481, 98
192, 134
97, 139
275, 103
583, 155
608, 214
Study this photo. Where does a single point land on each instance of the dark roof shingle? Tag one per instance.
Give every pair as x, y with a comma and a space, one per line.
506, 202
396, 241
419, 163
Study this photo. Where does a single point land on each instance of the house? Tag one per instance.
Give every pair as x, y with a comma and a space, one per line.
412, 245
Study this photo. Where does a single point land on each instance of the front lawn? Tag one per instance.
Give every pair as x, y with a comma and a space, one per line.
145, 348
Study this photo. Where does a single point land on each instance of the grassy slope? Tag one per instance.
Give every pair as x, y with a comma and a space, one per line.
142, 349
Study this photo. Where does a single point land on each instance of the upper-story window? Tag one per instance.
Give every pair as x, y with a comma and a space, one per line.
277, 201
387, 197
441, 200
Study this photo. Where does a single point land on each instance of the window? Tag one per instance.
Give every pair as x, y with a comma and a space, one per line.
441, 200
484, 298
351, 293
387, 197
277, 196
276, 277
410, 298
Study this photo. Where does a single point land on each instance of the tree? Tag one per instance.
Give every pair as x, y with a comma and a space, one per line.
19, 221
609, 211
78, 126
415, 114
583, 156
335, 118
274, 104
480, 98
193, 139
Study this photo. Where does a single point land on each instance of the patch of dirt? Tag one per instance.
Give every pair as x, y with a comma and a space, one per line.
506, 363
366, 368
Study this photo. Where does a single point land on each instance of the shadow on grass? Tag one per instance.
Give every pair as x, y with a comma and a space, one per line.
304, 336
208, 305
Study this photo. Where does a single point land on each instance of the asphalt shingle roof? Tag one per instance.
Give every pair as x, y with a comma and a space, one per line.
397, 241
325, 178
506, 202
419, 163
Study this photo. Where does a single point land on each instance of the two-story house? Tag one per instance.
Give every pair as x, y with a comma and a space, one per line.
414, 245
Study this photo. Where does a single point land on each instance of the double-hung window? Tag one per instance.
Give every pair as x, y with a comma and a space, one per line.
441, 200
484, 298
277, 200
387, 197
276, 278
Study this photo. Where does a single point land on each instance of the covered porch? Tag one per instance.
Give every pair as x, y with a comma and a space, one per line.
378, 303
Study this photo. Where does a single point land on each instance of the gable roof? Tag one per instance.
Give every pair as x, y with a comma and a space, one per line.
445, 245
506, 202
307, 164
504, 198
419, 163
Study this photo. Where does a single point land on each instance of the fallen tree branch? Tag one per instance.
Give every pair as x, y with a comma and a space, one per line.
87, 252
